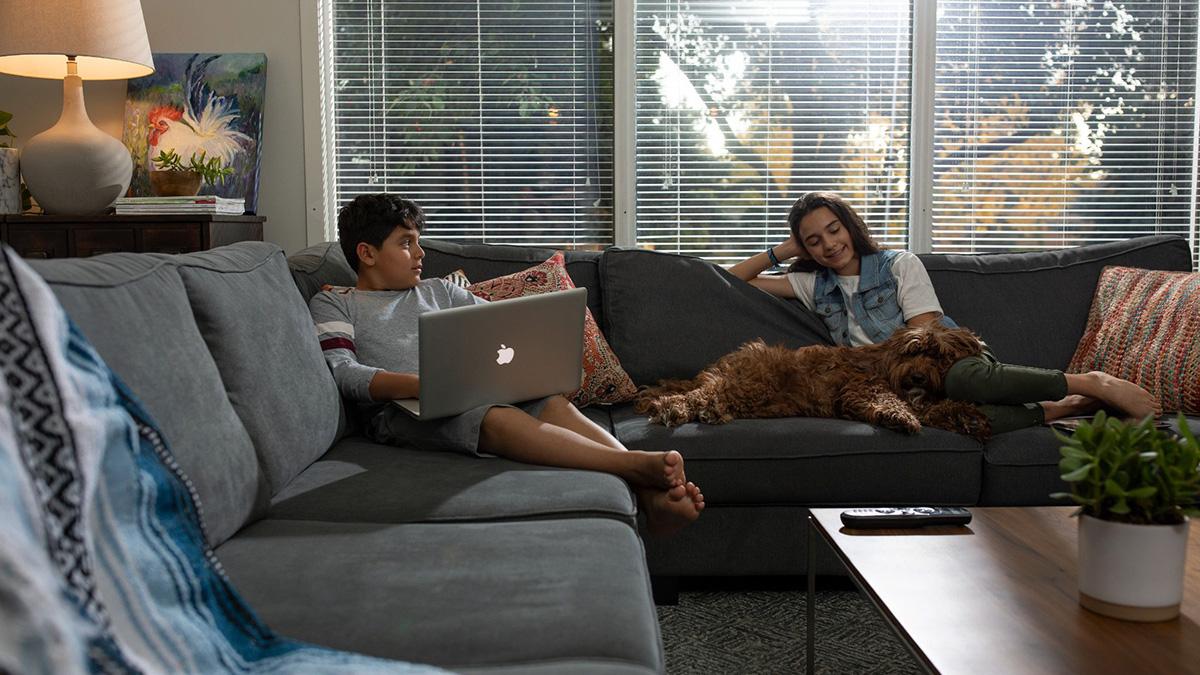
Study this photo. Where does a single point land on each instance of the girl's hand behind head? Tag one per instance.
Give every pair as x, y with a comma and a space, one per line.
790, 248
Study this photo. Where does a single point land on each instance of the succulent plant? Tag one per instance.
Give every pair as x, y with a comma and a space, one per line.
1131, 473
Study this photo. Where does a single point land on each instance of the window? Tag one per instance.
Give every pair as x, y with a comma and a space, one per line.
1063, 123
741, 107
1053, 123
495, 116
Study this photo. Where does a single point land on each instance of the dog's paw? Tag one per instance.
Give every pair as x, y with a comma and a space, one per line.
905, 423
670, 411
710, 416
976, 426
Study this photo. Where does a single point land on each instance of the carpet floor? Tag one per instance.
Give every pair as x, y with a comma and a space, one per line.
762, 631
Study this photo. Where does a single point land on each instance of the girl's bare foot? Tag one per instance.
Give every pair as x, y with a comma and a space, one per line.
666, 515
1129, 397
1070, 406
657, 470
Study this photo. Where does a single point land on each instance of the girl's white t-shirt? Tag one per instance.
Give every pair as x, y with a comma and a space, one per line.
914, 292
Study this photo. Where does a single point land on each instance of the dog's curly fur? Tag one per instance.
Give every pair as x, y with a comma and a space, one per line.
897, 384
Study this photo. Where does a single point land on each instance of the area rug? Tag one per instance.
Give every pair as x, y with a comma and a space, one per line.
732, 632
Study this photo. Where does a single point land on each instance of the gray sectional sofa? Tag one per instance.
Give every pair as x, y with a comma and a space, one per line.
669, 316
476, 566
492, 566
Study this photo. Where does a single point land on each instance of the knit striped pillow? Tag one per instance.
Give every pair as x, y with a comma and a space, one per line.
1144, 326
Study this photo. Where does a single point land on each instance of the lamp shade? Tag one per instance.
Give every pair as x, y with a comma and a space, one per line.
107, 37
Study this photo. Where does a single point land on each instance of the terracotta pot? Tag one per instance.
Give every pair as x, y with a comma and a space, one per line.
175, 183
1131, 572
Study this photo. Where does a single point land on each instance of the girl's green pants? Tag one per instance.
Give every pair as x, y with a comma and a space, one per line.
1007, 394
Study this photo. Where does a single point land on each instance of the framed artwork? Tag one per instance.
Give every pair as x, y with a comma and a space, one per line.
200, 103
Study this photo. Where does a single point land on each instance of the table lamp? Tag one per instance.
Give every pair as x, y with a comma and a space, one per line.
73, 168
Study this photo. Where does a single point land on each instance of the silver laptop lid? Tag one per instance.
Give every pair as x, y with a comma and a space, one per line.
501, 352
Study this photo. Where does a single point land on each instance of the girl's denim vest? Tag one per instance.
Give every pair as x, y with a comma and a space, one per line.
875, 304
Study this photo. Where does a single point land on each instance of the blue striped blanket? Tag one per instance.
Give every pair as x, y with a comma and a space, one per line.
103, 564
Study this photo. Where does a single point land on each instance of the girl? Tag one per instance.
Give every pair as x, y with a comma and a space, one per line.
864, 293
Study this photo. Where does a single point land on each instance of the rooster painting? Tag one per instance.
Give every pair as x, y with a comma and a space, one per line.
208, 104
204, 125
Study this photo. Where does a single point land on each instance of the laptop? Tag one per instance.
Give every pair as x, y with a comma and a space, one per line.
499, 352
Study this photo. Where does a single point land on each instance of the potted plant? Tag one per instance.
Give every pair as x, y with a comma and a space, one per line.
11, 196
174, 177
1136, 485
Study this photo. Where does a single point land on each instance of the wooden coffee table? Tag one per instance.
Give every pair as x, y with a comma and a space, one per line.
999, 596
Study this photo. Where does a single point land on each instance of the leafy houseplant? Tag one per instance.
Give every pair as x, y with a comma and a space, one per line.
176, 177
1136, 485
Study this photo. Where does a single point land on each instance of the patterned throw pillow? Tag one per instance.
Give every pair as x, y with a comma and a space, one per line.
1144, 326
604, 381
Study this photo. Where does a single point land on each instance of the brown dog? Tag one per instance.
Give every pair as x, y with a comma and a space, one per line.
897, 384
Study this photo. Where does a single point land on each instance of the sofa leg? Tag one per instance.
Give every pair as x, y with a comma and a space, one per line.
665, 590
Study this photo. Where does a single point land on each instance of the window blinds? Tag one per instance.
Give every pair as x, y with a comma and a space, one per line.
1063, 123
744, 106
495, 116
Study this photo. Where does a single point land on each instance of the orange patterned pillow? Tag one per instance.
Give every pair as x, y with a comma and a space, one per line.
1144, 326
604, 380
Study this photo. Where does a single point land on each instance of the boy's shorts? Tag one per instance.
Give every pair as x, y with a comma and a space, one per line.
459, 433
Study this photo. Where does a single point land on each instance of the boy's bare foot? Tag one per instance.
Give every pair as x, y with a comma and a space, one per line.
1129, 397
657, 470
665, 515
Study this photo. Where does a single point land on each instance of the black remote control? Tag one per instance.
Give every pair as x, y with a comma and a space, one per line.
905, 516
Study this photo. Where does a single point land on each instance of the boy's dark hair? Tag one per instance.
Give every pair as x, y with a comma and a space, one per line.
372, 218
859, 234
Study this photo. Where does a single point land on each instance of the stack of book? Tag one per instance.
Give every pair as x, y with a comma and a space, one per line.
195, 204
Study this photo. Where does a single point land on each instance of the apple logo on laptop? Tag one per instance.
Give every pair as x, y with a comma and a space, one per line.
504, 354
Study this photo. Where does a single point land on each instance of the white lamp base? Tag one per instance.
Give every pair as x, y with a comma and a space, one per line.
73, 168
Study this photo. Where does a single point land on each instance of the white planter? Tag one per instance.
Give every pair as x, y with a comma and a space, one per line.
1132, 572
10, 180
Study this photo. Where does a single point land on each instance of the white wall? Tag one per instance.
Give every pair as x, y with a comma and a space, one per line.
269, 26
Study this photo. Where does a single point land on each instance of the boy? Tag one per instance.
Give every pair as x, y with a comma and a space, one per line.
369, 338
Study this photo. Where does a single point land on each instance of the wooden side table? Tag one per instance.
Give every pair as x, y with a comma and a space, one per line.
41, 236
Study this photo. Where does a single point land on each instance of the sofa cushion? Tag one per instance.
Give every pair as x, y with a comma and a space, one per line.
488, 261
361, 481
134, 310
669, 316
1021, 467
813, 461
454, 595
1144, 326
1031, 308
262, 338
323, 263
317, 265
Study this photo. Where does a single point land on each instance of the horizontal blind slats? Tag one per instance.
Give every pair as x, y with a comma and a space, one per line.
741, 108
1061, 124
495, 116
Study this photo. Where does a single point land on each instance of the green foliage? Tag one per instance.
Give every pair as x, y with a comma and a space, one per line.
1131, 473
211, 170
5, 118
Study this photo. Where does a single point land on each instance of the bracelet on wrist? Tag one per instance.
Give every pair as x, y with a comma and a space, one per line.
771, 255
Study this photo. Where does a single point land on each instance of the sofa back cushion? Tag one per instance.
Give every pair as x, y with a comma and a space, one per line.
323, 263
317, 265
481, 262
669, 316
134, 310
1031, 308
263, 341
